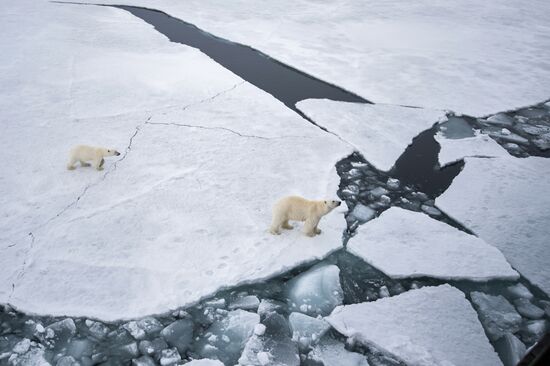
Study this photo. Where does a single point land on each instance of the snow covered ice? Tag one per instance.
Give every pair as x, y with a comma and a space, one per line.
480, 145
455, 56
505, 202
404, 244
379, 132
428, 326
332, 352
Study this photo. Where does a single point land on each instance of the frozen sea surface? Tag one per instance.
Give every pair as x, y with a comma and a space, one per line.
505, 201
455, 56
429, 326
404, 243
379, 132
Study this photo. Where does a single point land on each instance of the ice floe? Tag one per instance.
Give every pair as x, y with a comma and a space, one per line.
480, 145
182, 214
379, 132
404, 243
453, 56
505, 201
330, 352
428, 326
497, 315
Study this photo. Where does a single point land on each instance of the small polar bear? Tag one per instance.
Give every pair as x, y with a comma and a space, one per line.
84, 153
300, 209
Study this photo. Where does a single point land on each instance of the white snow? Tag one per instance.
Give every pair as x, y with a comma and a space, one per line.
404, 243
184, 210
428, 326
379, 132
205, 362
505, 201
472, 57
481, 145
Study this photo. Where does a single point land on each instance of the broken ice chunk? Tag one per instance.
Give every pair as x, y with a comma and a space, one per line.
304, 326
392, 183
532, 331
249, 302
143, 361
497, 315
143, 327
169, 356
430, 210
274, 347
316, 291
67, 361
330, 352
362, 213
23, 346
378, 191
204, 362
179, 334
384, 292
62, 330
500, 119
97, 329
528, 309
79, 348
153, 347
236, 327
34, 357
270, 306
510, 349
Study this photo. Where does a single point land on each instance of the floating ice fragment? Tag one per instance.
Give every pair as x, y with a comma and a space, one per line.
204, 362
23, 346
497, 315
430, 210
62, 330
169, 356
67, 361
237, 326
528, 309
500, 119
362, 213
143, 361
316, 291
304, 326
428, 326
259, 329
378, 191
383, 292
152, 347
179, 334
264, 358
392, 183
249, 302
533, 330
34, 357
79, 348
510, 349
330, 352
270, 306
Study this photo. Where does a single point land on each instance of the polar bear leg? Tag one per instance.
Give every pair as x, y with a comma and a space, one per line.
71, 163
83, 163
276, 224
310, 226
287, 226
98, 163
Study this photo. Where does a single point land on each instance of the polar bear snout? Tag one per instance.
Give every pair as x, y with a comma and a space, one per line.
117, 153
333, 203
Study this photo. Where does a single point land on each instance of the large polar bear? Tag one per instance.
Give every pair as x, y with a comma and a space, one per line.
299, 209
84, 153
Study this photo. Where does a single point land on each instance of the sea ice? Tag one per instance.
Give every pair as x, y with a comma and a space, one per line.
362, 213
454, 56
528, 309
204, 362
330, 352
306, 329
456, 149
274, 347
497, 315
533, 330
519, 290
510, 349
380, 133
230, 336
179, 334
316, 291
173, 224
249, 302
404, 243
504, 201
143, 361
428, 326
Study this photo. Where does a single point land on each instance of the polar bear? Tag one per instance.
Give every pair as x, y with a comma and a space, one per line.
84, 153
300, 209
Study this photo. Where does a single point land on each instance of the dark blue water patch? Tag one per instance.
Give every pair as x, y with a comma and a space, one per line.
285, 83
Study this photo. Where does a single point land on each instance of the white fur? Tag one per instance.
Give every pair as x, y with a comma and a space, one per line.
300, 209
84, 153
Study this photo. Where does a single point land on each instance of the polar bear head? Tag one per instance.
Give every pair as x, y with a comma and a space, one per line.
109, 152
331, 205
